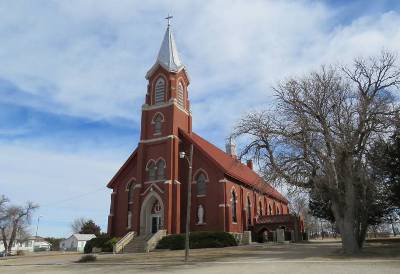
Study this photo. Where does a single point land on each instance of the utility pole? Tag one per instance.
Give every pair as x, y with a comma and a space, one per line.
36, 234
189, 158
37, 226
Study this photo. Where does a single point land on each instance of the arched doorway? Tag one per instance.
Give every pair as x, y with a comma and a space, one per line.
151, 214
263, 235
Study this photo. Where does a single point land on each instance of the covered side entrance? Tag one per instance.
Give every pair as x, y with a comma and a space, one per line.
265, 227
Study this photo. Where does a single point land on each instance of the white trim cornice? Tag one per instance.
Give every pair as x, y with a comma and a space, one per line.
158, 139
170, 182
173, 101
150, 188
154, 182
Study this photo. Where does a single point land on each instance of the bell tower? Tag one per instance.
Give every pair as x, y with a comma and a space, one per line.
166, 110
167, 105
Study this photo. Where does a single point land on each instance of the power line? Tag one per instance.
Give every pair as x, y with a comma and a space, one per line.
72, 198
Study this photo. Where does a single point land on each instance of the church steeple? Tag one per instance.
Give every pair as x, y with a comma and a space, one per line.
168, 56
167, 107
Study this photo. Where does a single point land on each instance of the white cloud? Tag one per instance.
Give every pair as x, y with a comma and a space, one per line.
66, 185
88, 58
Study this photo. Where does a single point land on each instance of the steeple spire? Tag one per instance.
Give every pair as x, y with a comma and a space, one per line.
168, 56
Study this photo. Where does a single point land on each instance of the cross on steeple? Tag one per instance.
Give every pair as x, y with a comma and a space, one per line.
169, 17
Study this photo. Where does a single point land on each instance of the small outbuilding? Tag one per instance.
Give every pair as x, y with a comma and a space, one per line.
27, 244
76, 242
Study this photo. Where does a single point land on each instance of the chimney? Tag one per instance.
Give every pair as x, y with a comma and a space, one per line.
230, 147
250, 163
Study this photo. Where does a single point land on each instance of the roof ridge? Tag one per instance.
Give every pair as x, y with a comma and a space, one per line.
257, 182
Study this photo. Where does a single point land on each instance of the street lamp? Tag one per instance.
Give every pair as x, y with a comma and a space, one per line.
189, 158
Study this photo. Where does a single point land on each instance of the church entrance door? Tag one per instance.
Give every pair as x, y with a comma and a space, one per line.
151, 215
155, 224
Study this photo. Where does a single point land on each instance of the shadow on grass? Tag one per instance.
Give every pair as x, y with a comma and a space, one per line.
329, 251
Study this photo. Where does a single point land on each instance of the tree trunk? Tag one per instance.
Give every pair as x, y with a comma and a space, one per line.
362, 233
13, 235
393, 228
346, 220
3, 234
350, 238
350, 243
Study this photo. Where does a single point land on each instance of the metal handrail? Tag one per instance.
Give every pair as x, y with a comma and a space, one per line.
119, 246
157, 236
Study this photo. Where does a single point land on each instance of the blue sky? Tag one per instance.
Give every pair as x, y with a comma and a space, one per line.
72, 80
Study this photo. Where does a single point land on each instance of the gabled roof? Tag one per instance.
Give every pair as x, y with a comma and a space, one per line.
233, 167
131, 157
168, 56
83, 237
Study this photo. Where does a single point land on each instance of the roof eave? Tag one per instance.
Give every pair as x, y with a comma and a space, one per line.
282, 199
112, 181
157, 64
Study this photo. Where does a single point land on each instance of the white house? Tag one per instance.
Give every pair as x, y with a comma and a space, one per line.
29, 244
76, 242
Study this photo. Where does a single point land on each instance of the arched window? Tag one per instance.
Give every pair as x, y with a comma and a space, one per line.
265, 207
274, 208
130, 195
201, 184
151, 168
161, 169
260, 212
181, 101
233, 205
270, 209
159, 96
248, 211
157, 122
277, 211
130, 205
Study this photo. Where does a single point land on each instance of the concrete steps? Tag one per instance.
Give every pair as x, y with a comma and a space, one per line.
137, 245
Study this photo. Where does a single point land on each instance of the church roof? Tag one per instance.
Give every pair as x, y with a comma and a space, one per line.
124, 166
168, 56
233, 167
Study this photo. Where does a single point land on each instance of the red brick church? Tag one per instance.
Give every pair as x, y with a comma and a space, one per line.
149, 191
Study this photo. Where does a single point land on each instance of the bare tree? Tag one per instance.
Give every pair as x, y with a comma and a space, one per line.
319, 135
3, 201
13, 221
298, 203
77, 224
3, 217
